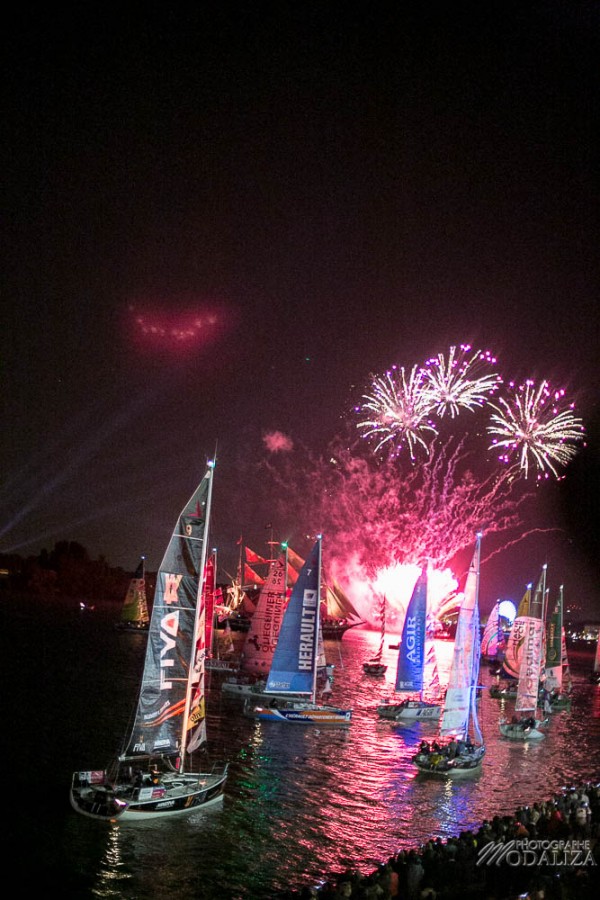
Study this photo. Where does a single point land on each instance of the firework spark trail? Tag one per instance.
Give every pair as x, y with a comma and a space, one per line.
383, 514
401, 409
531, 425
462, 381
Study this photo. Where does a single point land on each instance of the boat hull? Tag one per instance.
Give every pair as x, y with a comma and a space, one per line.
335, 631
175, 795
410, 710
374, 668
517, 733
304, 714
560, 704
439, 766
498, 693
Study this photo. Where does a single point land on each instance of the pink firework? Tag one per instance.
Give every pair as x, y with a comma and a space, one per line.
461, 380
379, 514
535, 427
398, 411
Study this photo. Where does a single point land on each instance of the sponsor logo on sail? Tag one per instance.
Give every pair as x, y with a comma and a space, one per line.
306, 652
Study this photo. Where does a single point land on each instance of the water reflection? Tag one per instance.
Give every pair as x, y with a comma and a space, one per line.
299, 802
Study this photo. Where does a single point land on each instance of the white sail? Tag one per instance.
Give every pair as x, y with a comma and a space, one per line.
459, 708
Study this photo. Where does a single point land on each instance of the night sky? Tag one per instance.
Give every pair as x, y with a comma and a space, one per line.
220, 223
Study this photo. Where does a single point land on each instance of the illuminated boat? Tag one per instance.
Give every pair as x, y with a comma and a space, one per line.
134, 614
416, 674
526, 726
460, 749
261, 638
155, 775
298, 657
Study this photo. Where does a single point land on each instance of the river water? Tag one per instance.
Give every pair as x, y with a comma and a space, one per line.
300, 803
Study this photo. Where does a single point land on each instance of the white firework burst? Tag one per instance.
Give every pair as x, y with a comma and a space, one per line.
535, 427
399, 408
460, 380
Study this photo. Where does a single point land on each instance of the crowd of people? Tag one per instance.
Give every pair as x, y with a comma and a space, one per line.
562, 863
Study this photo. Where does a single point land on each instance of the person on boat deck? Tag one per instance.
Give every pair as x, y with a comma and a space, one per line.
423, 747
453, 749
528, 722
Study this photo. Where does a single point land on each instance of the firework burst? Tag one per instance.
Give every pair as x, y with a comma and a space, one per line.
460, 381
537, 427
399, 410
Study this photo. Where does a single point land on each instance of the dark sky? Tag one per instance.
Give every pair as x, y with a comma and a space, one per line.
317, 191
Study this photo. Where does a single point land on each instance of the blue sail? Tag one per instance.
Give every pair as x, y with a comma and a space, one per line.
295, 659
411, 655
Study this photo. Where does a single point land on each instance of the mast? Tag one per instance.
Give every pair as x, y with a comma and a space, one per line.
318, 621
475, 645
285, 573
188, 696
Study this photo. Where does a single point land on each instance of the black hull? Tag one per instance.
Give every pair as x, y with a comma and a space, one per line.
374, 669
335, 631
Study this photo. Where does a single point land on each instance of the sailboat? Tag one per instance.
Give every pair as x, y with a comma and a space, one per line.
416, 673
527, 726
338, 612
296, 659
375, 666
261, 639
460, 750
154, 775
556, 667
134, 613
505, 685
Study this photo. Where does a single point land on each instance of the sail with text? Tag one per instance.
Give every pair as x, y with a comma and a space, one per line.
263, 633
294, 666
532, 651
173, 666
209, 590
411, 653
514, 645
460, 711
